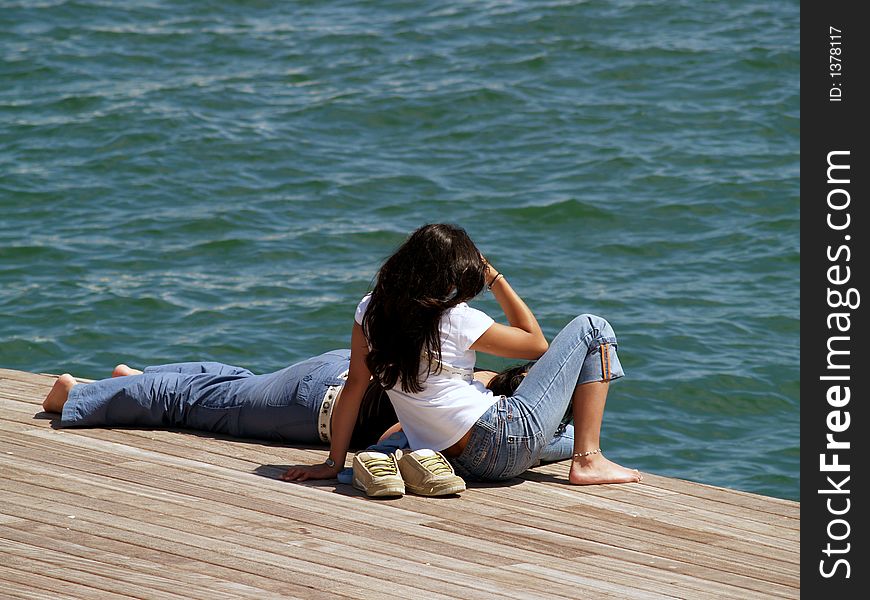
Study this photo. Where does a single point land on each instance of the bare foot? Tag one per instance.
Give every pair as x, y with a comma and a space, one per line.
123, 370
59, 393
595, 469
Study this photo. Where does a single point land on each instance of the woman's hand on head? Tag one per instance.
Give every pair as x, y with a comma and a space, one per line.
490, 272
303, 472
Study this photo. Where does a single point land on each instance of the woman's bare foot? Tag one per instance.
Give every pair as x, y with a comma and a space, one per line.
123, 370
595, 469
59, 393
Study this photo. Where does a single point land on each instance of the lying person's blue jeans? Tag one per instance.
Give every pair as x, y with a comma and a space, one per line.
214, 397
531, 425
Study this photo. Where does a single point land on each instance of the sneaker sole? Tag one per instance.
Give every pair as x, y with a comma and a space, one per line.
441, 488
380, 490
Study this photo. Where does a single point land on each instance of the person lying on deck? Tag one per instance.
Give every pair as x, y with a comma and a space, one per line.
416, 336
293, 405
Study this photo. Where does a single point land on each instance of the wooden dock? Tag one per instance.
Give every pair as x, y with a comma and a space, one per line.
103, 513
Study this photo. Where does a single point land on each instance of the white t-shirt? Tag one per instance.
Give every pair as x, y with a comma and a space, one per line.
448, 406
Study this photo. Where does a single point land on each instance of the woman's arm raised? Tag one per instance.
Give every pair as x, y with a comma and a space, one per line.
344, 415
523, 338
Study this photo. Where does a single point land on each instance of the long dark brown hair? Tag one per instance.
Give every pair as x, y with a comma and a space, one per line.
375, 415
435, 269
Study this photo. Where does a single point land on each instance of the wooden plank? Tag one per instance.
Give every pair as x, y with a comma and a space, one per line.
71, 572
773, 543
747, 500
396, 551
303, 566
284, 574
9, 376
747, 524
587, 585
700, 517
192, 560
674, 524
714, 570
670, 581
193, 583
34, 586
51, 533
574, 512
725, 501
207, 477
661, 544
191, 513
4, 520
97, 503
14, 402
670, 515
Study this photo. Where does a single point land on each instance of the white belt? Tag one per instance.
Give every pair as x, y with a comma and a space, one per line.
466, 375
324, 418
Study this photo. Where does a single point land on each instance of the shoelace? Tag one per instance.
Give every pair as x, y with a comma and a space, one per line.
379, 467
436, 464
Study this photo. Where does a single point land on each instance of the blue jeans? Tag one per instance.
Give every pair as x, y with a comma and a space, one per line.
214, 397
517, 431
561, 446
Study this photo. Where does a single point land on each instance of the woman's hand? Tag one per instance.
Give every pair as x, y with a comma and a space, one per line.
523, 338
490, 272
303, 472
484, 376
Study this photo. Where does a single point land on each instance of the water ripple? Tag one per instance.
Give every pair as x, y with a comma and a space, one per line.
221, 180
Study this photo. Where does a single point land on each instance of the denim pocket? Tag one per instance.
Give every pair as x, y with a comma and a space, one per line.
481, 443
293, 391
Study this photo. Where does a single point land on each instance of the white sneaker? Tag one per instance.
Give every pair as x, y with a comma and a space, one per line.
377, 474
428, 473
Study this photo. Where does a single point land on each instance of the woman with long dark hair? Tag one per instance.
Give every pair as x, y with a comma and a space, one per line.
417, 336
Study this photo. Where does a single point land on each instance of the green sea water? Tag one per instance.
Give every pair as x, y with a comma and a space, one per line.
221, 179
